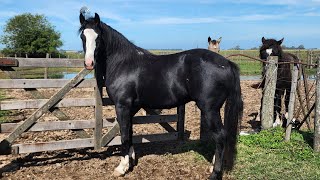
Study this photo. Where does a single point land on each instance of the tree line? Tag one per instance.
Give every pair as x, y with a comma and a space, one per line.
29, 35
237, 47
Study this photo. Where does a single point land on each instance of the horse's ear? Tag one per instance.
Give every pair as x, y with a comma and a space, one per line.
219, 40
96, 18
82, 18
280, 41
263, 40
209, 39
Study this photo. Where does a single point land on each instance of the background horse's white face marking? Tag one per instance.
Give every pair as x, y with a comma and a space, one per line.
269, 51
91, 37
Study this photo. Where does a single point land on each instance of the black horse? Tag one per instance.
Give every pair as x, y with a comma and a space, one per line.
272, 47
135, 78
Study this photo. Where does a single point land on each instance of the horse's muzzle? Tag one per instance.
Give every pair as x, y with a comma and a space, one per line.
89, 66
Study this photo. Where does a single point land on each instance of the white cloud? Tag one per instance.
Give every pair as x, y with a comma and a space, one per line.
177, 20
7, 14
279, 2
245, 18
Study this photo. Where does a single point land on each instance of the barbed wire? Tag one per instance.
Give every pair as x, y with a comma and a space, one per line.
265, 61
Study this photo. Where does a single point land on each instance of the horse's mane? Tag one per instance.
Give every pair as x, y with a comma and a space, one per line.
114, 40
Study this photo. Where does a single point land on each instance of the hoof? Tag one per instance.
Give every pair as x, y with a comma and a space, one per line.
211, 169
117, 174
216, 176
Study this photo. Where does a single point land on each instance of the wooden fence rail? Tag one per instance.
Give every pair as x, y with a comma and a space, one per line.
43, 105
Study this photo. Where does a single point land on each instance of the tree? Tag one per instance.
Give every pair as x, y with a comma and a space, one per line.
237, 47
31, 35
301, 46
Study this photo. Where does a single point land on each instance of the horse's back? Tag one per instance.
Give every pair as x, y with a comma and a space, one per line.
175, 79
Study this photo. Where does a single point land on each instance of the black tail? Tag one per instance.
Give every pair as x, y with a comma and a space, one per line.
232, 118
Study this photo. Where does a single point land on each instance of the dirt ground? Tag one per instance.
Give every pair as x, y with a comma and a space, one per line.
165, 160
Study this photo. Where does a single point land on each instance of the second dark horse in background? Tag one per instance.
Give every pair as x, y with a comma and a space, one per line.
272, 47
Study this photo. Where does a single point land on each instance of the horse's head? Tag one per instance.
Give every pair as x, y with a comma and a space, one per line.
214, 45
270, 47
90, 33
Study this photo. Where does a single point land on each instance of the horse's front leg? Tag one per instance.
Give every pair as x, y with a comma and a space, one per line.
124, 118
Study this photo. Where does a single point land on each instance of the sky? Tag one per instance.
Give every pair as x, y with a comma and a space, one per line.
182, 24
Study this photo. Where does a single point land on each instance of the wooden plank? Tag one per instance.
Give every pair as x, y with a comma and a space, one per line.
165, 125
316, 141
55, 111
52, 62
110, 135
306, 92
9, 62
84, 124
52, 146
37, 103
38, 113
57, 125
294, 83
97, 134
268, 93
85, 143
42, 83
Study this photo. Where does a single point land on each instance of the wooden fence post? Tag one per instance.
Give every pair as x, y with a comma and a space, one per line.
46, 68
294, 82
98, 112
267, 108
316, 142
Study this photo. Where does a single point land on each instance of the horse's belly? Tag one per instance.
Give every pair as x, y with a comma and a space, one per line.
162, 98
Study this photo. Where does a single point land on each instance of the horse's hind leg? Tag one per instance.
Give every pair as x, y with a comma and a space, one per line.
213, 119
286, 104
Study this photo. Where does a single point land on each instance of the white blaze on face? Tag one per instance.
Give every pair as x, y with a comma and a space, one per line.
269, 51
91, 37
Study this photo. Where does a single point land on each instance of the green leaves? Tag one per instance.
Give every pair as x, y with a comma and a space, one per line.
30, 34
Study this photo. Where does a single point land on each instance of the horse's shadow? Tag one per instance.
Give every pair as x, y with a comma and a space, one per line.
154, 148
255, 125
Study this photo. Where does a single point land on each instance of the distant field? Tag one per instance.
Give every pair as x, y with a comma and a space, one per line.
253, 67
247, 65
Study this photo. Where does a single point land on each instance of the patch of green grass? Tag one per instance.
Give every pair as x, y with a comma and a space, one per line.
249, 67
3, 114
38, 73
267, 156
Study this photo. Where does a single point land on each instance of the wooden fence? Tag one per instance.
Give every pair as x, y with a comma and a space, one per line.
52, 105
268, 100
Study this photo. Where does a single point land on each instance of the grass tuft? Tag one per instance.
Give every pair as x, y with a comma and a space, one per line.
267, 156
